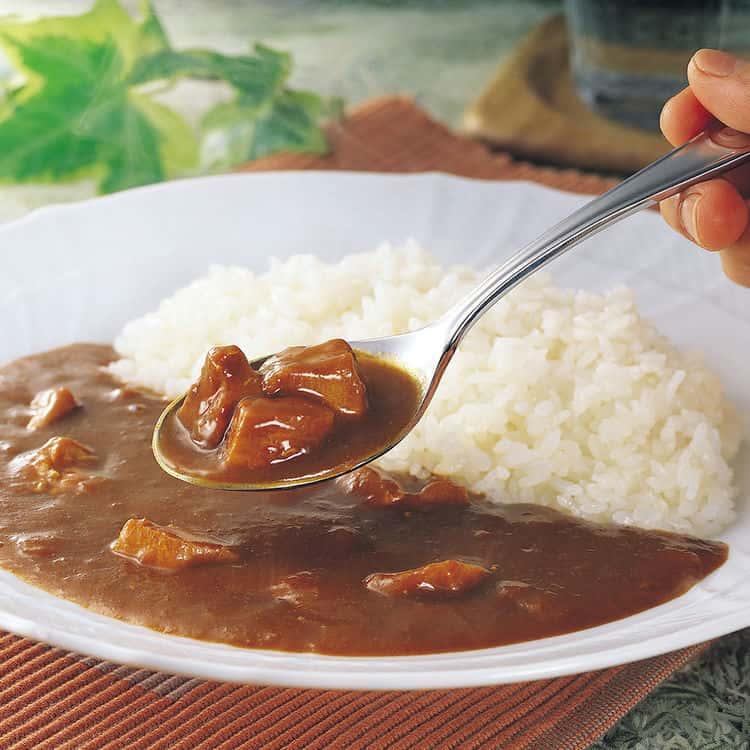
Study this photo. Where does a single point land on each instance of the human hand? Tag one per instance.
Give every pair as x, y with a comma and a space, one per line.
714, 214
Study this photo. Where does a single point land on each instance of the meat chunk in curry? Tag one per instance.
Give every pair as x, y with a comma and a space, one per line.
439, 579
374, 487
266, 431
380, 490
328, 372
56, 466
165, 548
50, 405
225, 379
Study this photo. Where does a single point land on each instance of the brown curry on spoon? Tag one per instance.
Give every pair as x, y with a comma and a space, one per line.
304, 411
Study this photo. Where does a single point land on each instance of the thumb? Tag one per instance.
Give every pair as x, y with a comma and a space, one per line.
721, 83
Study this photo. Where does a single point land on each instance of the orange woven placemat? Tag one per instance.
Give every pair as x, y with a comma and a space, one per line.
56, 700
53, 700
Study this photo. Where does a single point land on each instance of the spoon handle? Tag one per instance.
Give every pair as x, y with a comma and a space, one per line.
712, 152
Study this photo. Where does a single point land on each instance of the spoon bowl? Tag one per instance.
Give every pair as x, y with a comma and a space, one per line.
426, 352
417, 353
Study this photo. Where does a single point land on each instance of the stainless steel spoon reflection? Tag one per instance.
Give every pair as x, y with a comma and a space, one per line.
426, 352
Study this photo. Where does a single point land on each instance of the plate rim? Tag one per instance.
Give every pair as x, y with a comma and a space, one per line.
372, 672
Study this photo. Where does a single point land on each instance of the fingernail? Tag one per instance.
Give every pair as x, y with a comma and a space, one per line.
713, 62
688, 214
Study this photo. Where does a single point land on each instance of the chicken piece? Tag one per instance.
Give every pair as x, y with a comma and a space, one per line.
225, 379
63, 453
169, 549
378, 489
373, 486
439, 492
55, 466
328, 372
447, 578
49, 406
265, 431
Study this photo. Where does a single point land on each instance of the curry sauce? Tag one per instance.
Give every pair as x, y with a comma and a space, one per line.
364, 565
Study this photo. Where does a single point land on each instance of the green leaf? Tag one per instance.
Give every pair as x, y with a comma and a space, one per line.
228, 130
291, 122
80, 111
132, 155
76, 115
107, 23
178, 146
151, 37
290, 125
42, 135
258, 78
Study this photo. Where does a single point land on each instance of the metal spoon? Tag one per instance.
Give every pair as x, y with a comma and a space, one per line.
426, 352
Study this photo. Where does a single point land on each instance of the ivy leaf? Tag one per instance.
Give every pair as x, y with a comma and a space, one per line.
234, 132
238, 131
76, 114
265, 117
291, 124
39, 136
258, 78
106, 24
82, 109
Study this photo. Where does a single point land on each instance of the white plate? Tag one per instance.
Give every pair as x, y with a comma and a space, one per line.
78, 272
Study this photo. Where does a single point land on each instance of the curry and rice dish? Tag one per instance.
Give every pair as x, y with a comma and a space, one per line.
380, 561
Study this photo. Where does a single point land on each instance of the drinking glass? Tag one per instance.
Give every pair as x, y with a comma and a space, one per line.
629, 56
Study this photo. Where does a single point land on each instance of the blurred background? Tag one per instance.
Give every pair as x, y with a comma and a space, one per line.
101, 96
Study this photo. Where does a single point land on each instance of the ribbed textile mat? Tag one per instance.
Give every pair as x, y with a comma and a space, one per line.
55, 700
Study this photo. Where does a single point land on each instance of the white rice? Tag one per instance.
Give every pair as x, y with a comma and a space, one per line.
559, 397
